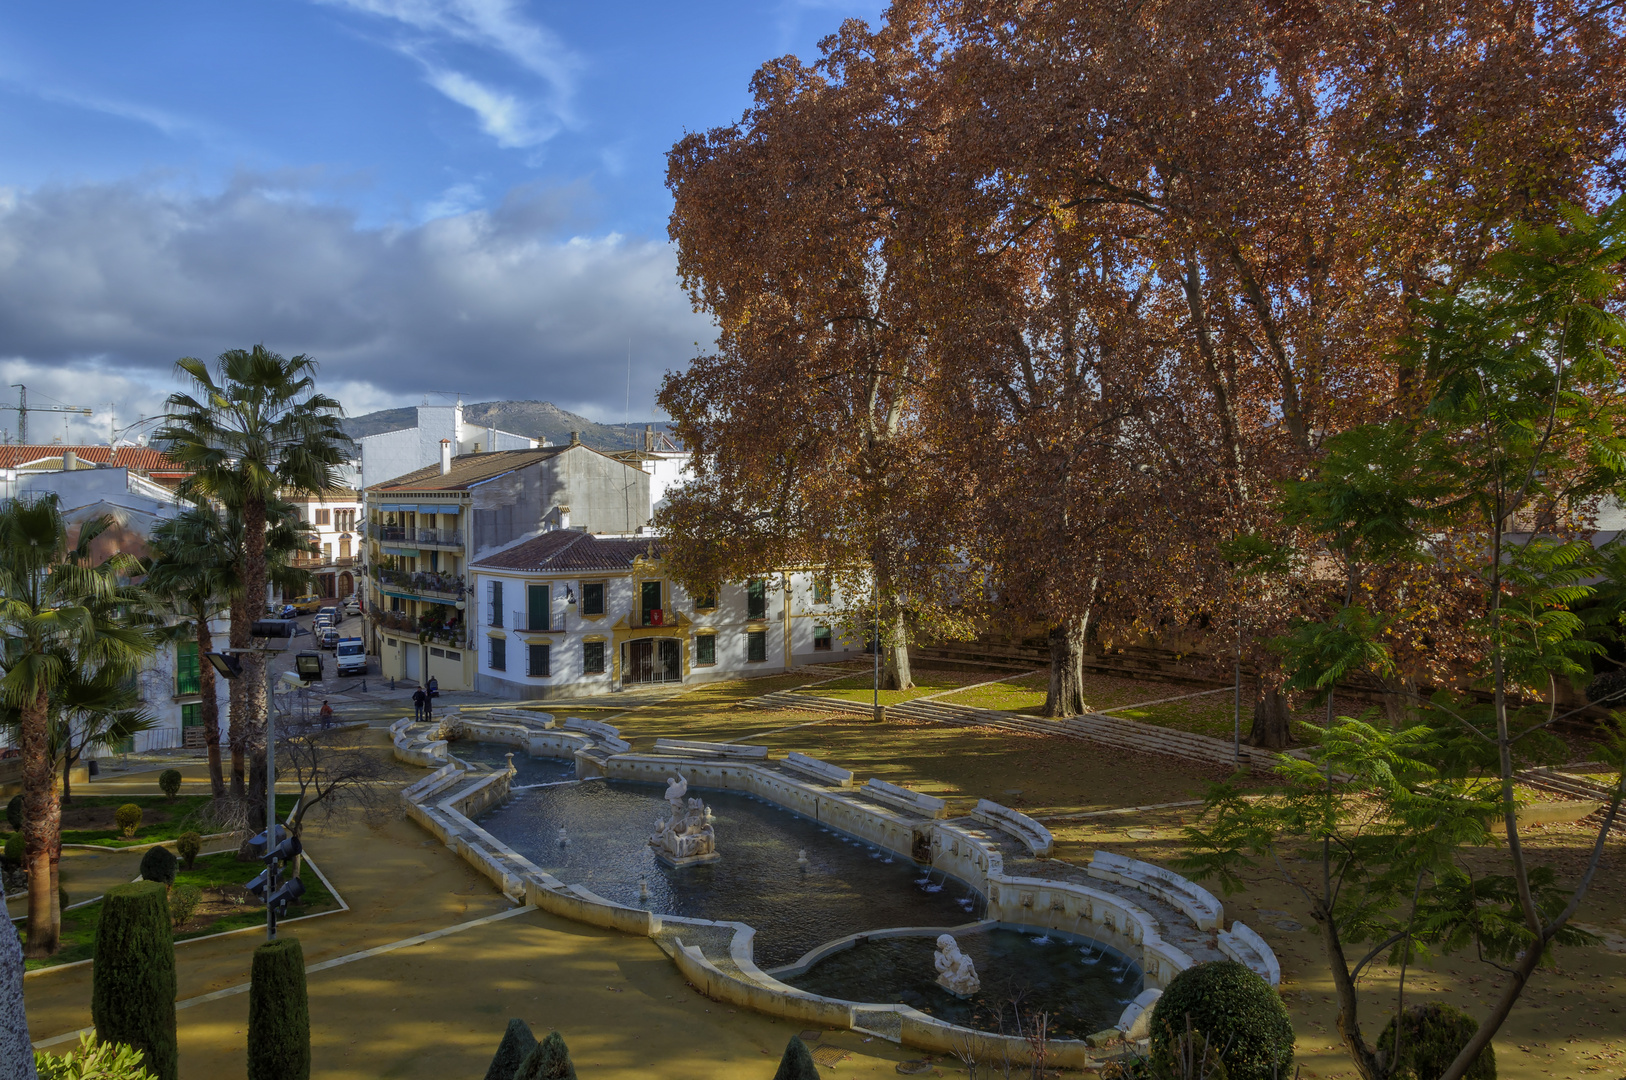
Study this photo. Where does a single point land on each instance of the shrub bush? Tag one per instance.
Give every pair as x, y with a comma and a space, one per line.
159, 864
517, 1044
92, 1061
14, 813
189, 847
1434, 1035
169, 782
279, 1020
14, 849
128, 818
183, 901
549, 1061
1238, 1013
1604, 690
797, 1062
132, 996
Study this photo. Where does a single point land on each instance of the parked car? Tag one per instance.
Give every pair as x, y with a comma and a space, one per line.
352, 606
285, 611
320, 623
307, 604
334, 615
351, 656
328, 638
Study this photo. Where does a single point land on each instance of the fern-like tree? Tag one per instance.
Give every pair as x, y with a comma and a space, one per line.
1518, 426
251, 429
57, 606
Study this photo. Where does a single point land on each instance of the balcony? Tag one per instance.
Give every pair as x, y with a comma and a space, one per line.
435, 538
652, 617
423, 628
521, 621
425, 584
316, 562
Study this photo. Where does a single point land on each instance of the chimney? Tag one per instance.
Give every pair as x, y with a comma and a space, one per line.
70, 460
564, 517
575, 438
445, 456
649, 437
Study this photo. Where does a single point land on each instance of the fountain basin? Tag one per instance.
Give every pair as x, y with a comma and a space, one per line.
1082, 985
847, 885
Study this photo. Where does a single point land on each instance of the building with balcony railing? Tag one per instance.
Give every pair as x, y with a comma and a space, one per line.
332, 519
569, 614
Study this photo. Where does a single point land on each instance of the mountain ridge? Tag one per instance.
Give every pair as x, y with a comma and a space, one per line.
531, 418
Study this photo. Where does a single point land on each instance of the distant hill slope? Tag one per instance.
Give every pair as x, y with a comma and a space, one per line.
537, 419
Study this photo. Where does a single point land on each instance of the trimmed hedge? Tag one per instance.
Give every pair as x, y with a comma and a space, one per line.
517, 1044
159, 864
132, 997
279, 1020
797, 1062
183, 901
1237, 1011
549, 1061
169, 782
1435, 1034
128, 818
16, 847
189, 846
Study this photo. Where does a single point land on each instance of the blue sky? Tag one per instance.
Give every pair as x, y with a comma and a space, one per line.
427, 195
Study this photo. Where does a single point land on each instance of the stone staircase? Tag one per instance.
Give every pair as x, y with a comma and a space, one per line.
1562, 783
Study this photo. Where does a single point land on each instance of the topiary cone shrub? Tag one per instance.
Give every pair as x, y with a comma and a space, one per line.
797, 1062
14, 813
189, 847
1235, 1010
517, 1044
14, 849
1433, 1035
549, 1061
169, 782
128, 818
132, 997
159, 865
279, 1020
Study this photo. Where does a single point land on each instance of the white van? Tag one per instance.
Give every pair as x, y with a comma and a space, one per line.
351, 656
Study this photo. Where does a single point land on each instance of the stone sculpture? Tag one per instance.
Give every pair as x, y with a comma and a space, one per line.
955, 972
685, 836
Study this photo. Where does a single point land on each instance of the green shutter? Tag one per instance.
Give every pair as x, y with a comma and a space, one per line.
536, 598
705, 649
186, 668
756, 599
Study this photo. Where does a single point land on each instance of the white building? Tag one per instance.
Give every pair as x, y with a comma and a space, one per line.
570, 614
136, 504
334, 521
664, 460
395, 453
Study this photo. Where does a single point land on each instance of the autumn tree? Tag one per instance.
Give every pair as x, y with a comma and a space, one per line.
805, 422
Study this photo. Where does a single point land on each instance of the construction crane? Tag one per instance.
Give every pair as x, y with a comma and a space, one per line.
22, 408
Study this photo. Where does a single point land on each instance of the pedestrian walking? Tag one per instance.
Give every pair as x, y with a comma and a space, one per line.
326, 714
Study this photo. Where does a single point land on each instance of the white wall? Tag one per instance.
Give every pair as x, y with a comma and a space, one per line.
396, 453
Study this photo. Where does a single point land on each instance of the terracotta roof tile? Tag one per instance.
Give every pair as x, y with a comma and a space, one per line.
468, 469
140, 458
564, 550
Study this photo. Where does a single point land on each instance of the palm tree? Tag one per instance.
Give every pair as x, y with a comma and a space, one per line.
194, 573
251, 430
57, 608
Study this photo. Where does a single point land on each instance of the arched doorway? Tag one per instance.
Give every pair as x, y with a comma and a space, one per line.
347, 584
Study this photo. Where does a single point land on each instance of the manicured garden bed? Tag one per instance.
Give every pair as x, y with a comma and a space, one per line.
225, 906
89, 818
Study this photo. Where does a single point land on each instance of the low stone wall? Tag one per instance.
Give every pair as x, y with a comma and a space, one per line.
447, 800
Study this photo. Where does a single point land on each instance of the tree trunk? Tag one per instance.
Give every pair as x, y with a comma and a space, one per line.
1065, 696
208, 707
895, 673
253, 805
254, 698
237, 691
67, 778
1272, 723
41, 828
16, 1054
1400, 701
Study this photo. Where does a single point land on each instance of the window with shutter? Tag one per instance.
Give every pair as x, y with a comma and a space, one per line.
539, 666
493, 603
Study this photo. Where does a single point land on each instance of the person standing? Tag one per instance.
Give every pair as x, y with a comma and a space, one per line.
326, 714
419, 700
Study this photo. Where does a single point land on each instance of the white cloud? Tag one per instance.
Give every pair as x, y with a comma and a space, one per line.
502, 116
116, 281
495, 26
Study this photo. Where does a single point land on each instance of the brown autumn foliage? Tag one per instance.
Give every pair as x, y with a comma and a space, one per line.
1068, 288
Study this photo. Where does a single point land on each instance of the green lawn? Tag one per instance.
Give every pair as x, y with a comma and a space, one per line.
861, 687
94, 814
209, 872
